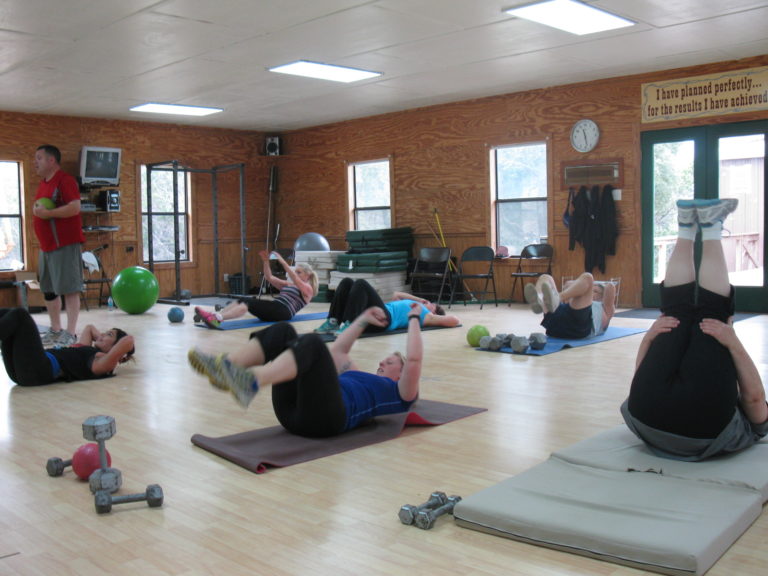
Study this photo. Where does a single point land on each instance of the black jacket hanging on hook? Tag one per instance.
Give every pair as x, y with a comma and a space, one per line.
593, 225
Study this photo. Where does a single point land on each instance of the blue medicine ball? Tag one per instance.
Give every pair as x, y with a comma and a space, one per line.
176, 314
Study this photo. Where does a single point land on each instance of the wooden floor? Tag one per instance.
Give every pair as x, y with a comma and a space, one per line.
336, 515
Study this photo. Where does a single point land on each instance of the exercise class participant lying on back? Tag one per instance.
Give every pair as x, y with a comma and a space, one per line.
295, 293
317, 390
696, 392
95, 355
583, 309
352, 297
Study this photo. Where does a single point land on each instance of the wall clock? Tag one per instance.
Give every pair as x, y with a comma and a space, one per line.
584, 135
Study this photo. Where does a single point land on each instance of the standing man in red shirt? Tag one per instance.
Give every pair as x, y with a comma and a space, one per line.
59, 230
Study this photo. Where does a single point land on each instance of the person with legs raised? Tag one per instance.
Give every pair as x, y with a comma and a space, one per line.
318, 391
583, 309
696, 392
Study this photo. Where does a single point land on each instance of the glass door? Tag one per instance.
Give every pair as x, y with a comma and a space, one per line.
725, 161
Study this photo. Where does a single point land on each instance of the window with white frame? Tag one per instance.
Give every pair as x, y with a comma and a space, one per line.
11, 245
520, 195
162, 214
370, 195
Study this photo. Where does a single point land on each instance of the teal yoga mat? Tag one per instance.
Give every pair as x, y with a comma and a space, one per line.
255, 322
556, 344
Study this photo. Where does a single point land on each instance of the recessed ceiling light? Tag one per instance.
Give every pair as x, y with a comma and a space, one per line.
177, 109
574, 17
324, 71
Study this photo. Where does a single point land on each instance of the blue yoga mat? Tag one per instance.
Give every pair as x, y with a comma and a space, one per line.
557, 344
255, 322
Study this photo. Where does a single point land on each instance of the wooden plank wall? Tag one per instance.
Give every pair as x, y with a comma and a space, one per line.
143, 143
440, 160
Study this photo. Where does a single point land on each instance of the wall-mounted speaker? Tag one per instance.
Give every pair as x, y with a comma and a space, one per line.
272, 146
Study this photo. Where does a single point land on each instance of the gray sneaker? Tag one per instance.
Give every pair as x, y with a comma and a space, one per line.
207, 365
241, 382
532, 297
51, 337
711, 211
65, 339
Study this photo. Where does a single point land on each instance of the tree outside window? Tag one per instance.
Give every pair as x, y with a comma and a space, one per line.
520, 195
162, 214
11, 245
370, 195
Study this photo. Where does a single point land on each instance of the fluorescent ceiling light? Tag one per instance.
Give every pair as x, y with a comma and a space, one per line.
574, 17
324, 71
177, 109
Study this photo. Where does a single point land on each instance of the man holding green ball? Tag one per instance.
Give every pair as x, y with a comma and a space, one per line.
59, 229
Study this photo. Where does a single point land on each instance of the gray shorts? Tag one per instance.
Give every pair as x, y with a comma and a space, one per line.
61, 271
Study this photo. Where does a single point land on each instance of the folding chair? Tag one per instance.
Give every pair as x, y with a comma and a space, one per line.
95, 277
479, 255
536, 255
431, 272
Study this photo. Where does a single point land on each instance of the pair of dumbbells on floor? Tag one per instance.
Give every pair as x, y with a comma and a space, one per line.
519, 344
93, 462
426, 514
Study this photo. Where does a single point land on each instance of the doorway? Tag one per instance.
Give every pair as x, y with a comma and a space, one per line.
722, 161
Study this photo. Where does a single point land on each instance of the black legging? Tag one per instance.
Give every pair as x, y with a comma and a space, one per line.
352, 298
268, 310
23, 354
311, 404
687, 383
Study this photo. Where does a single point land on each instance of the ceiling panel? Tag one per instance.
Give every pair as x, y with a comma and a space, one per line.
97, 58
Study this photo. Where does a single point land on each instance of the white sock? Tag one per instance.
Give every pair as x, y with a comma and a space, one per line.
687, 232
218, 316
714, 232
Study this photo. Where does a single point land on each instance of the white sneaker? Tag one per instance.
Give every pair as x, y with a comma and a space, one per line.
550, 297
711, 211
686, 213
532, 297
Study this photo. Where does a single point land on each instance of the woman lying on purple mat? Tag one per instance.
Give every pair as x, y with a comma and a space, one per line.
696, 392
317, 390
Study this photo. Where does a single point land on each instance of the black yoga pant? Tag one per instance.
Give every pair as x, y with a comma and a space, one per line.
352, 298
268, 310
23, 354
311, 404
687, 384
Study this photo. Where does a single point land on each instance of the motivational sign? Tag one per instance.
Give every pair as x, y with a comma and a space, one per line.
709, 95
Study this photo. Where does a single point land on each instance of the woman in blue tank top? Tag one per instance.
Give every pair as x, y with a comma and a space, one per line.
294, 293
317, 390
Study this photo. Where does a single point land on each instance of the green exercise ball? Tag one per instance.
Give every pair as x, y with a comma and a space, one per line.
46, 203
475, 333
135, 290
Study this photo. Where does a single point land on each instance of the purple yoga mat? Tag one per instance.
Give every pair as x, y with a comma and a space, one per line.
274, 447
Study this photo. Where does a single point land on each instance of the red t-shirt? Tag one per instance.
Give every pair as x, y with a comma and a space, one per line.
58, 232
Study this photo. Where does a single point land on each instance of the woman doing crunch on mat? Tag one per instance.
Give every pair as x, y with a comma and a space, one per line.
317, 390
295, 293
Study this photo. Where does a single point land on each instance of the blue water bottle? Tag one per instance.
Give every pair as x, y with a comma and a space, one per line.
110, 304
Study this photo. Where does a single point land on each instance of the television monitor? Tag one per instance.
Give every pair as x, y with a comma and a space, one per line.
100, 166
